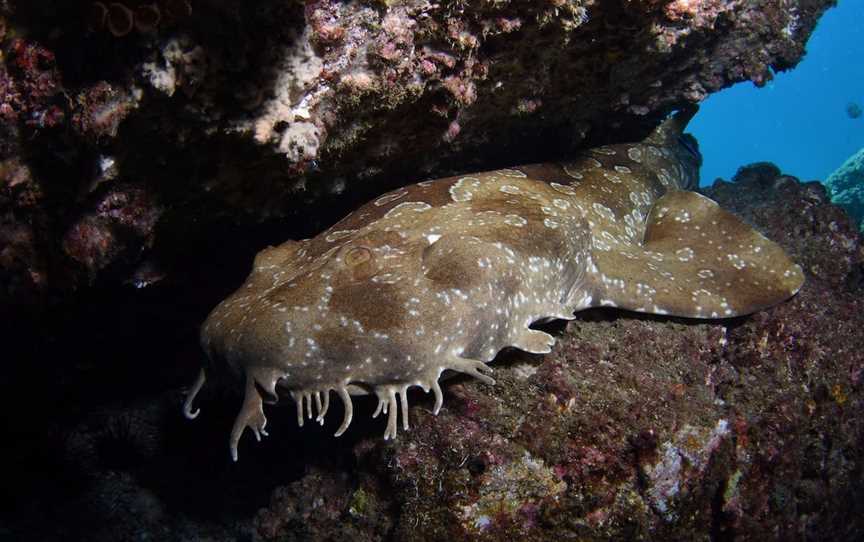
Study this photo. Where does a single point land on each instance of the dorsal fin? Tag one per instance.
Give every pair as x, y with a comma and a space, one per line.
666, 134
695, 260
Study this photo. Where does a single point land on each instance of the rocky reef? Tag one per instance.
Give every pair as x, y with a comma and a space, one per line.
149, 149
846, 186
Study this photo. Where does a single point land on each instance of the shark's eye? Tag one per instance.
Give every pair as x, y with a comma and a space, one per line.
356, 256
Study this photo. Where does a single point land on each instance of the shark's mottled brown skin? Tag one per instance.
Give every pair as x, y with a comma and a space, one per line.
443, 274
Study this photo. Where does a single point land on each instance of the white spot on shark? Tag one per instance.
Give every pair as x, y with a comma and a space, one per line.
515, 220
392, 196
463, 189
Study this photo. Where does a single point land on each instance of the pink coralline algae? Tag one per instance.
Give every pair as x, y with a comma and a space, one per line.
99, 110
120, 225
30, 86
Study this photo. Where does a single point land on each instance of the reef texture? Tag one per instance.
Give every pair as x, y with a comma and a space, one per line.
179, 113
846, 186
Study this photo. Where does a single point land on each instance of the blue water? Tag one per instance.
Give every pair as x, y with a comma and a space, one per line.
799, 120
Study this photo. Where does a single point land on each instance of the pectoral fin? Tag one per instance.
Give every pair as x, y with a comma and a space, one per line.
696, 260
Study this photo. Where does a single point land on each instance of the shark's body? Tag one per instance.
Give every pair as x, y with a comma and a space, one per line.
443, 274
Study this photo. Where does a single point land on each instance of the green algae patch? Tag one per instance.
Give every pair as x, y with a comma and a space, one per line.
359, 504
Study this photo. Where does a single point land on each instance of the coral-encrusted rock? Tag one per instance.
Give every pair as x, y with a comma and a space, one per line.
119, 224
797, 213
846, 186
324, 506
255, 110
639, 427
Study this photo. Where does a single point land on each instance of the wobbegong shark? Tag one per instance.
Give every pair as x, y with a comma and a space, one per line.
439, 276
